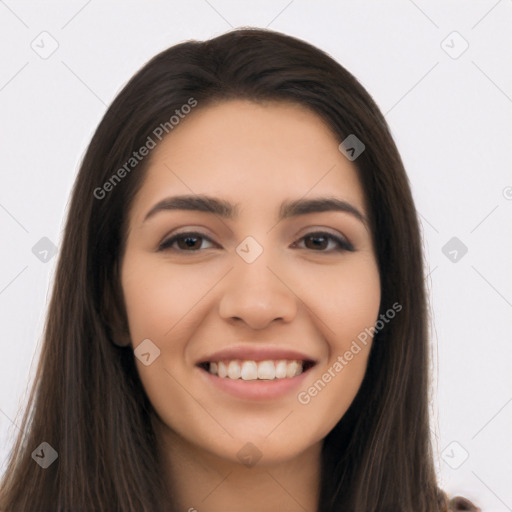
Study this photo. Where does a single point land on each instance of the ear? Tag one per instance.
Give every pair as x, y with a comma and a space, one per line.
113, 312
119, 334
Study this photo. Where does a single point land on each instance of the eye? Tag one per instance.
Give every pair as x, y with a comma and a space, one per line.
188, 241
320, 240
316, 240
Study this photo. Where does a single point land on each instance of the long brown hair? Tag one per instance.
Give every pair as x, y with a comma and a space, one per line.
87, 401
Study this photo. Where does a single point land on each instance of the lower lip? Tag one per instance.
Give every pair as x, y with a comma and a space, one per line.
255, 389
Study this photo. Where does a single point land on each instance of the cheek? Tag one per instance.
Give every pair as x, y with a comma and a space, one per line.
348, 308
346, 300
355, 303
351, 309
160, 299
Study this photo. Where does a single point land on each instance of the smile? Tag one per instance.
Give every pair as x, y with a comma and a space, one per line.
256, 370
248, 380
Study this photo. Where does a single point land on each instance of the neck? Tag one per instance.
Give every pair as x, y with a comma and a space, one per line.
200, 481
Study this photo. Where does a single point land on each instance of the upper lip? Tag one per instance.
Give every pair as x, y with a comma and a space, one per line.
259, 353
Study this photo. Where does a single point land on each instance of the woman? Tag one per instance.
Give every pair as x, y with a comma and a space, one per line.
284, 365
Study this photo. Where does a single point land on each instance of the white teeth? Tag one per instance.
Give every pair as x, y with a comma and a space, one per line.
252, 370
249, 370
281, 369
292, 369
234, 371
221, 369
266, 370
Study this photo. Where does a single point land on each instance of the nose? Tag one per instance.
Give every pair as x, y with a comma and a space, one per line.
257, 294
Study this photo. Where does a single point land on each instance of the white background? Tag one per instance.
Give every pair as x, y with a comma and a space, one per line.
450, 117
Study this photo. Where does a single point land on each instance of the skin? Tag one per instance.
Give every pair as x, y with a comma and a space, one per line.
294, 295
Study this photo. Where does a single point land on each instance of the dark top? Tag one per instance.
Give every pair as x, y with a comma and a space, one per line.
459, 504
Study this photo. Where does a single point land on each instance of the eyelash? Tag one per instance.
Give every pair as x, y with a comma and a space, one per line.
343, 245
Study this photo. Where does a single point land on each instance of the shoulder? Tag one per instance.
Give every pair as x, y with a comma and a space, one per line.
460, 504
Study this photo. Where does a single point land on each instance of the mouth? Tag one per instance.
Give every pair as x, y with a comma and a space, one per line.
254, 372
251, 370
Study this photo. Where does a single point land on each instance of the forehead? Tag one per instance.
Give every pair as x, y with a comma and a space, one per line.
249, 152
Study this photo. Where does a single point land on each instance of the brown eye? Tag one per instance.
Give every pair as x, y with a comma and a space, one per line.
319, 241
190, 242
315, 241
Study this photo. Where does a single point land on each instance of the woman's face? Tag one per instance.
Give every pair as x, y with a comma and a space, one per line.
258, 285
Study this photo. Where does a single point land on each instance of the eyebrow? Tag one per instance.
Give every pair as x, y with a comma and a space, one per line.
227, 210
